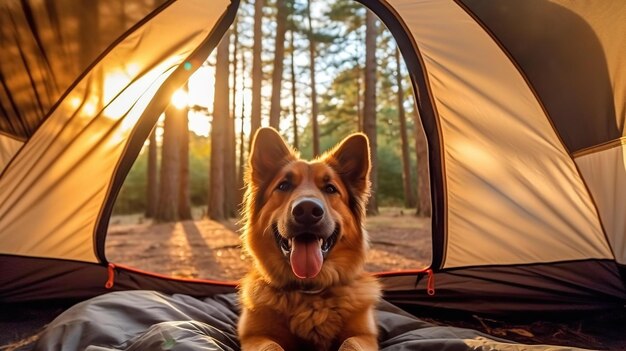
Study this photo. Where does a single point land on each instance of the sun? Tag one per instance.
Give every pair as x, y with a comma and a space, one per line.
180, 99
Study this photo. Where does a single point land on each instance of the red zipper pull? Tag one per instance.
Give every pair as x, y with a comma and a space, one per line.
430, 289
111, 281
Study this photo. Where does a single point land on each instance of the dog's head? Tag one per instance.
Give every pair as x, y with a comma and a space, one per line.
304, 219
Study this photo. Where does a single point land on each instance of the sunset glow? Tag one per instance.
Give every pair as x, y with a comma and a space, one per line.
180, 99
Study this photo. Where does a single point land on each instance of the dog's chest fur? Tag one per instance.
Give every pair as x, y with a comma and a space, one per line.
318, 318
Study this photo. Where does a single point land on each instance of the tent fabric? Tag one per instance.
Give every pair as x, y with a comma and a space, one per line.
525, 129
580, 81
608, 166
47, 46
146, 320
8, 148
38, 279
81, 141
505, 168
541, 288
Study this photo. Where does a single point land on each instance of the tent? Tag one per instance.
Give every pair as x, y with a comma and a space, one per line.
523, 104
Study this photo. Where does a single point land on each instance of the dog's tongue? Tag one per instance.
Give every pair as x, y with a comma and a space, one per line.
306, 257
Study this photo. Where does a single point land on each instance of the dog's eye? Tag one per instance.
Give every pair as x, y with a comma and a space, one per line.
284, 186
330, 189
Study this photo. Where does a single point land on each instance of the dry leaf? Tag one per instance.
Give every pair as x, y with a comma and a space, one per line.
522, 332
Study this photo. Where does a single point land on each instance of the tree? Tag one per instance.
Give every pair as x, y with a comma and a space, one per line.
359, 104
338, 103
221, 107
314, 106
369, 104
294, 110
152, 190
349, 16
230, 155
257, 69
184, 199
423, 180
409, 198
167, 211
279, 57
242, 137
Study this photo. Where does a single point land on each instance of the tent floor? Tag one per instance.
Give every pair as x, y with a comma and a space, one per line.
21, 325
593, 330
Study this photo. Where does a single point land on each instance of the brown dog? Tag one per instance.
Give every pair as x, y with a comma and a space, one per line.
307, 289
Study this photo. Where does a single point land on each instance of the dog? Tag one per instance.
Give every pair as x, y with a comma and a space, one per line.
307, 288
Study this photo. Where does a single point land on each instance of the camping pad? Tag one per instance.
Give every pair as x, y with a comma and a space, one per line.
148, 320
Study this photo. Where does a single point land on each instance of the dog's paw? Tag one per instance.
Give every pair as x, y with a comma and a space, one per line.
260, 345
272, 346
350, 345
360, 343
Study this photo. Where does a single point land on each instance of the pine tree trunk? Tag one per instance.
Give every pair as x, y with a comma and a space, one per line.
184, 198
230, 170
221, 107
152, 190
257, 69
242, 136
279, 57
242, 161
409, 198
230, 160
369, 105
359, 104
167, 210
294, 105
314, 106
423, 179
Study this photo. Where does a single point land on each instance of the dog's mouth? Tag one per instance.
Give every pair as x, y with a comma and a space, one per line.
306, 251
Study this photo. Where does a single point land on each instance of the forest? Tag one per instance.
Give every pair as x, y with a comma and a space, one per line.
314, 70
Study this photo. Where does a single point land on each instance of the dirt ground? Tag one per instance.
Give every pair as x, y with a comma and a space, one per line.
211, 250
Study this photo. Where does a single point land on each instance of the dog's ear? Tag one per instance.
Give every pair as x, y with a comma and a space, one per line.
351, 160
269, 153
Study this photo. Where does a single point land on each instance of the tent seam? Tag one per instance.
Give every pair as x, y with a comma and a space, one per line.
611, 144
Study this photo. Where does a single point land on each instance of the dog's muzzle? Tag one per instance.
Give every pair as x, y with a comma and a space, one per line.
307, 236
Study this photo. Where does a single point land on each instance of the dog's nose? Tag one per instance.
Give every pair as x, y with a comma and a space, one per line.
307, 211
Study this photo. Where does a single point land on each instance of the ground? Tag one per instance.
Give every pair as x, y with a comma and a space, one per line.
211, 250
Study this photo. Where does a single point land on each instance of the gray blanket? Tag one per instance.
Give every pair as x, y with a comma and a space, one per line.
148, 320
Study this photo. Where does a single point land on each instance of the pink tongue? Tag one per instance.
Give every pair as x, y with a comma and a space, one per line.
306, 258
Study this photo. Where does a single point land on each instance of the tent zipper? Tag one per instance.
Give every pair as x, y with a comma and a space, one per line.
111, 280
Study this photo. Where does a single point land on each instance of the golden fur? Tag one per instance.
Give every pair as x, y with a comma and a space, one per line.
334, 308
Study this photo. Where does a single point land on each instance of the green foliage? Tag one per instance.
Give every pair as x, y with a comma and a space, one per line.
339, 110
199, 160
390, 192
132, 195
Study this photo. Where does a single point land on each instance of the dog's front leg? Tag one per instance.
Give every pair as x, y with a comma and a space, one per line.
259, 344
360, 333
264, 330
